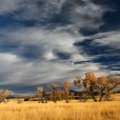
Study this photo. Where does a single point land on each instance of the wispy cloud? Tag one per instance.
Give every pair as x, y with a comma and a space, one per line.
54, 40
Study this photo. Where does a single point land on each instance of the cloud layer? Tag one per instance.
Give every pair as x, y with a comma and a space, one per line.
45, 41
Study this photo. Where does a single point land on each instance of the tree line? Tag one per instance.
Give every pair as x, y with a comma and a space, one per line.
93, 87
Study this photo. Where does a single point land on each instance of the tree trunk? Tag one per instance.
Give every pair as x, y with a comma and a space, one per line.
92, 93
101, 97
94, 98
102, 94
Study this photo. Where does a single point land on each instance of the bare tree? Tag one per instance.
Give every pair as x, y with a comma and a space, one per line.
4, 94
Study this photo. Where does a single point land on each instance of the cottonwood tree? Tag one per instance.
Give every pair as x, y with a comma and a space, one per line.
40, 93
104, 86
60, 95
54, 88
107, 86
4, 94
66, 88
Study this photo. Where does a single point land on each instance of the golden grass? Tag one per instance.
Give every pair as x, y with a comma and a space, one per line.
74, 110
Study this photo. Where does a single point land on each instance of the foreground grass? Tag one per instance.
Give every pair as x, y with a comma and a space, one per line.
75, 110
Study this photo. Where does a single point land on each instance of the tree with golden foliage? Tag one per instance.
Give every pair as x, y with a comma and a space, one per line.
66, 88
41, 94
59, 94
40, 91
107, 85
54, 87
104, 86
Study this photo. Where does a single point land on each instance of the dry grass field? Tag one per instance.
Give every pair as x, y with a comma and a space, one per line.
75, 110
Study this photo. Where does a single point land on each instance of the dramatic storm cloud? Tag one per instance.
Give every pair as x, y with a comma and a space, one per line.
44, 41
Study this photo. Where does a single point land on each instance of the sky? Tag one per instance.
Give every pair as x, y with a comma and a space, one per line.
50, 41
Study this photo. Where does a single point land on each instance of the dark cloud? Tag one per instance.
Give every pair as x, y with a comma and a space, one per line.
18, 89
111, 18
6, 45
111, 21
111, 3
103, 54
62, 55
8, 20
82, 62
92, 48
45, 41
26, 51
88, 32
30, 52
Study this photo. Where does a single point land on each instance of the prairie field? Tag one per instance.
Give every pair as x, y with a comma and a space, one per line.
75, 110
